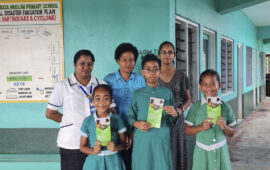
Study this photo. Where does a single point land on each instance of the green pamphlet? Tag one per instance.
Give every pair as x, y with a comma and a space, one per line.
103, 130
155, 112
213, 108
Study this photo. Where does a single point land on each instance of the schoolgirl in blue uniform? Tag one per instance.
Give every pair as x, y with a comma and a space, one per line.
99, 157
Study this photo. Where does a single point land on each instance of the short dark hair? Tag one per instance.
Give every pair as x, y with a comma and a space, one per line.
209, 72
150, 57
83, 52
163, 43
125, 47
103, 86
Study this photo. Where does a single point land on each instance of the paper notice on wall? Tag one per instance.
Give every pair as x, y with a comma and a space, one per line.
32, 60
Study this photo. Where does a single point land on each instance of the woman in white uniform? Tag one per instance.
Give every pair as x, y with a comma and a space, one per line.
74, 96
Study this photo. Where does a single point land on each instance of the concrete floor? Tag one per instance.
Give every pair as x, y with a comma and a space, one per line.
250, 145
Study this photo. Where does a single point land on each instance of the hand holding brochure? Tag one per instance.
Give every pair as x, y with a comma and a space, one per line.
155, 112
103, 130
213, 108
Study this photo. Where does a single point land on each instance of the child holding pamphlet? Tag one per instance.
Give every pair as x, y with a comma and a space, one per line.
212, 120
105, 132
150, 112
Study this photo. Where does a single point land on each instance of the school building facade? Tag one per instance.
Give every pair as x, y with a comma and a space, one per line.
213, 34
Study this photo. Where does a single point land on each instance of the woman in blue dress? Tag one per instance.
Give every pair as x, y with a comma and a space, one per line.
123, 83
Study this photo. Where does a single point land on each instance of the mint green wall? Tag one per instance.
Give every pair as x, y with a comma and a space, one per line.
30, 165
102, 25
235, 25
99, 26
263, 32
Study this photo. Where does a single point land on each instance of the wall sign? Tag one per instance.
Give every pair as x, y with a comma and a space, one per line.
31, 50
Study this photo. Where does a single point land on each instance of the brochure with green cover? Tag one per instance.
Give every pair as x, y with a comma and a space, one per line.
103, 130
155, 112
213, 108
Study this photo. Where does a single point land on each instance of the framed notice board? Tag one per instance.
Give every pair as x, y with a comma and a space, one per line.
32, 57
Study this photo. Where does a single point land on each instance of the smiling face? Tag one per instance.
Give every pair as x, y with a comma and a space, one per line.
166, 54
84, 67
209, 86
151, 72
126, 62
102, 100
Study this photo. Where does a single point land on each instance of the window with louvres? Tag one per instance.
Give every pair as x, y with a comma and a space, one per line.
226, 65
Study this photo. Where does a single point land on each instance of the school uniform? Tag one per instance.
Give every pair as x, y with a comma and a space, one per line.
106, 159
211, 150
151, 149
70, 95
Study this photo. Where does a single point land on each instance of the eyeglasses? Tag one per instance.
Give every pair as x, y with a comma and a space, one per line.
166, 52
154, 70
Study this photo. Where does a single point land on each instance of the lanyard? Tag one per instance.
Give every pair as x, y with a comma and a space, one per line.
89, 96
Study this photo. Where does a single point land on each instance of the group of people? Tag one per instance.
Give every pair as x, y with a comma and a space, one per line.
124, 97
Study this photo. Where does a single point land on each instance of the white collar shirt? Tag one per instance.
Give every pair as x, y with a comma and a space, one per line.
203, 101
68, 95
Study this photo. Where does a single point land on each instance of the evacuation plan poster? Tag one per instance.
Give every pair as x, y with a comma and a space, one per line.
31, 49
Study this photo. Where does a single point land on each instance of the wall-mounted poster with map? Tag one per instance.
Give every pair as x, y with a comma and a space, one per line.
31, 50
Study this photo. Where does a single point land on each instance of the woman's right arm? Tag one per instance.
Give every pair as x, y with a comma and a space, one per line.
54, 115
55, 103
186, 103
187, 95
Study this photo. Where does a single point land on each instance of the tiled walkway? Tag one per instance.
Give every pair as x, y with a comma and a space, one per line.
250, 145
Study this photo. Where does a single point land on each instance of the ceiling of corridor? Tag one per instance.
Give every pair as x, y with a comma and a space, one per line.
259, 14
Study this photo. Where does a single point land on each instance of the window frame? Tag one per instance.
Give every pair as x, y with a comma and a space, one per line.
212, 48
228, 89
187, 26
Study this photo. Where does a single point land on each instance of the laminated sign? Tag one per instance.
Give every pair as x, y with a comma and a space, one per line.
32, 50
